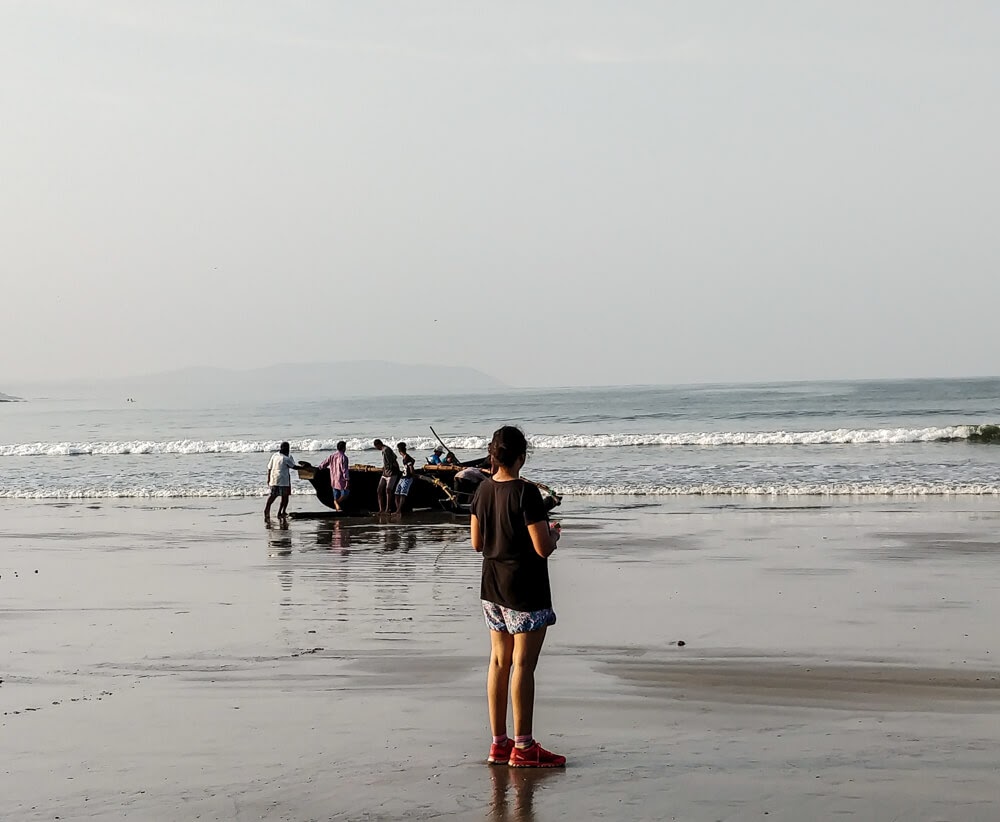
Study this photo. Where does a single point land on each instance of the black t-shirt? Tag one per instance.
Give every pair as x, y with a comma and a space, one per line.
514, 575
408, 462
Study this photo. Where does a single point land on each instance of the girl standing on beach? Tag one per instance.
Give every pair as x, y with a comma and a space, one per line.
510, 527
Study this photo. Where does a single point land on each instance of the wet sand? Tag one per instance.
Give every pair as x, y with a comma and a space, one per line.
183, 662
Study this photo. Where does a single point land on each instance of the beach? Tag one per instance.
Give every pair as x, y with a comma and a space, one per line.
715, 659
717, 282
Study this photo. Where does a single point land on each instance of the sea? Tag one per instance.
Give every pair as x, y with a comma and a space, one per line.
890, 437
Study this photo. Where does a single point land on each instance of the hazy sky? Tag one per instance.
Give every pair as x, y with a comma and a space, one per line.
578, 192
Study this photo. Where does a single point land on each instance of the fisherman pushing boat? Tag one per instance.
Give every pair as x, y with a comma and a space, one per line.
446, 485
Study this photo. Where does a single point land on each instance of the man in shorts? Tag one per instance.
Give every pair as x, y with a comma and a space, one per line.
279, 479
390, 478
340, 476
406, 480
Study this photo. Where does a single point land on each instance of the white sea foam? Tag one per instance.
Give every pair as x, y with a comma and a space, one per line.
844, 489
142, 492
839, 436
784, 490
141, 447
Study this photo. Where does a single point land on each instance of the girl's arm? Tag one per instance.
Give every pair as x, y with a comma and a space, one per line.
477, 537
541, 539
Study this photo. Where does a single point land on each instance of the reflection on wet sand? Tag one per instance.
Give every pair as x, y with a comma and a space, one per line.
335, 535
279, 541
374, 573
514, 791
385, 538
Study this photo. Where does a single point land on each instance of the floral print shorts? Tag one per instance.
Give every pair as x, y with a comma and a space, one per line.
509, 621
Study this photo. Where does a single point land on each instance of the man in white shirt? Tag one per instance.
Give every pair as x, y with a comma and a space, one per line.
279, 479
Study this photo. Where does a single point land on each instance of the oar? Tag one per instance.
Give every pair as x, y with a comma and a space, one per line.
539, 485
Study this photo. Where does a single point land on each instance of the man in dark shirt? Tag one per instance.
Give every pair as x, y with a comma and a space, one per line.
389, 479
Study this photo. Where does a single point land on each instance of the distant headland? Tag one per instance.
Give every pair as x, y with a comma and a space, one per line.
8, 398
369, 378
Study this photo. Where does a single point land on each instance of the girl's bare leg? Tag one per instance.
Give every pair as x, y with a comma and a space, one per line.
527, 647
498, 680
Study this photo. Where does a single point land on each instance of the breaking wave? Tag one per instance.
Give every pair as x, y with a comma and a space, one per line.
141, 493
846, 489
839, 436
119, 448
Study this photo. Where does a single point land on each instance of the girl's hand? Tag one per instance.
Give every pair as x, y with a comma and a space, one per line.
543, 538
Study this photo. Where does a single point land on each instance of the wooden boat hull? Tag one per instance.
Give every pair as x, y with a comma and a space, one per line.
435, 488
430, 490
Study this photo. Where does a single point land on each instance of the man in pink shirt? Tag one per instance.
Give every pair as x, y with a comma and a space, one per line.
340, 477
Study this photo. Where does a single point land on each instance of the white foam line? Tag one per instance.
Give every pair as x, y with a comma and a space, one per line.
816, 489
142, 493
839, 436
819, 489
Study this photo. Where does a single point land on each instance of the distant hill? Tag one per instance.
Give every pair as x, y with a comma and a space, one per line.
306, 380
292, 381
8, 398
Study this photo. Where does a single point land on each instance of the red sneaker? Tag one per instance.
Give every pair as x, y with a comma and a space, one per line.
499, 754
535, 756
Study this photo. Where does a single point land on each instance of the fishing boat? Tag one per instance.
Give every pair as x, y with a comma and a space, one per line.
435, 487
